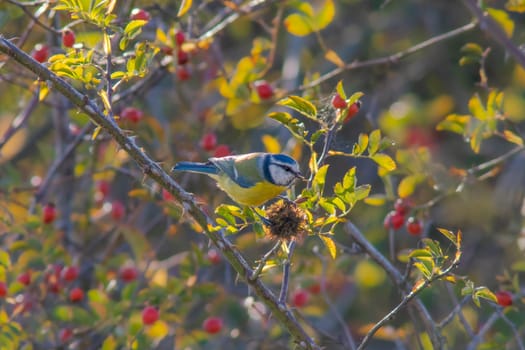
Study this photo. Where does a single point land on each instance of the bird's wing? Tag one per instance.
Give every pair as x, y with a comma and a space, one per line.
235, 166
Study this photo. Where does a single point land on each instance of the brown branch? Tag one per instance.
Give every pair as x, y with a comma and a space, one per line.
279, 310
397, 278
390, 59
488, 25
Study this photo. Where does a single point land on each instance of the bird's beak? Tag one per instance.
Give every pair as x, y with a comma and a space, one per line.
300, 176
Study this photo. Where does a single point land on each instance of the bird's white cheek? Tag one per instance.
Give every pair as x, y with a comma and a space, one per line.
280, 176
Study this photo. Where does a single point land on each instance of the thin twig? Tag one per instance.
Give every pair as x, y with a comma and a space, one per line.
264, 259
488, 25
487, 325
286, 273
390, 59
397, 278
150, 168
21, 119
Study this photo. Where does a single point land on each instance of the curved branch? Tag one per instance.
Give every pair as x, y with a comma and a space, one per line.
279, 310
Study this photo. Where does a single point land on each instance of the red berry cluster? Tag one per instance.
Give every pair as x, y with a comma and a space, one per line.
340, 103
504, 298
264, 89
208, 143
300, 298
397, 217
139, 14
132, 114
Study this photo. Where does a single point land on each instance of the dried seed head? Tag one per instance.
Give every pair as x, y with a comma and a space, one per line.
286, 221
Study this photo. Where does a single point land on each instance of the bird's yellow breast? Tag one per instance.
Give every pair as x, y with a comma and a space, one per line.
252, 196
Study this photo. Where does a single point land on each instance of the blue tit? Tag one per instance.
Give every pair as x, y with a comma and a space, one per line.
249, 179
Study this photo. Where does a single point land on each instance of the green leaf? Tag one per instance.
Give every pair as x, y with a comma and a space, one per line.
329, 244
109, 343
361, 145
485, 293
420, 254
320, 179
472, 49
134, 27
502, 18
448, 234
476, 108
375, 142
295, 126
424, 268
384, 161
301, 105
340, 89
349, 179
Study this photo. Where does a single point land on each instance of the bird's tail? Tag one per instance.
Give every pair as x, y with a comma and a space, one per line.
202, 168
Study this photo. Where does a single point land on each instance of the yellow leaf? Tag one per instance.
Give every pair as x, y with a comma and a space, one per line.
298, 25
367, 274
512, 137
158, 330
333, 57
502, 18
325, 16
139, 193
107, 44
184, 7
384, 161
159, 277
407, 186
271, 144
161, 36
515, 6
111, 6
375, 200
330, 245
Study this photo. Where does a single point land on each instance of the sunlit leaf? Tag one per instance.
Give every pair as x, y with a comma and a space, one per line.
485, 293
333, 57
384, 161
455, 123
319, 179
448, 234
185, 6
476, 108
375, 142
325, 16
298, 25
301, 105
376, 200
158, 330
295, 126
109, 343
329, 244
408, 184
512, 137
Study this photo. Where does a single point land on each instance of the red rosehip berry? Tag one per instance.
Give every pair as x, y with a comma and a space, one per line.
3, 290
49, 213
212, 325
40, 53
264, 90
414, 226
504, 298
401, 206
182, 57
300, 298
76, 294
338, 102
65, 335
168, 51
150, 315
208, 142
166, 195
352, 110
103, 187
117, 210
132, 114
222, 151
128, 274
68, 38
69, 273
397, 220
180, 38
24, 278
214, 257
140, 14
183, 73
